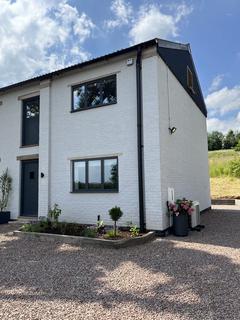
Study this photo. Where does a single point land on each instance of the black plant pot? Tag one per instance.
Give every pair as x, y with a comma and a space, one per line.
4, 217
180, 225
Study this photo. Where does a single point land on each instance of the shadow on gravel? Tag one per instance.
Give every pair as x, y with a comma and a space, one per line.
162, 277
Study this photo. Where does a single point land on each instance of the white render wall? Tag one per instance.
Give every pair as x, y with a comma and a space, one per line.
184, 154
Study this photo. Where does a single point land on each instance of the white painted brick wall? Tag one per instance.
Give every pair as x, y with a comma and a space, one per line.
10, 141
107, 131
151, 120
184, 155
103, 131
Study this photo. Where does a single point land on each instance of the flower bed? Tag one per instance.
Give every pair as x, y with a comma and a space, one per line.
80, 230
50, 228
115, 243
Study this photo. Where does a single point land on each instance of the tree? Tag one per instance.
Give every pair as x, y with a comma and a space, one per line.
229, 140
237, 147
215, 140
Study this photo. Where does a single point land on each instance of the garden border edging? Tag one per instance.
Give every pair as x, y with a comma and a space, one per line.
123, 243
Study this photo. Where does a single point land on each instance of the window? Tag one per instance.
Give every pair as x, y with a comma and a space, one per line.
94, 94
190, 79
95, 175
30, 121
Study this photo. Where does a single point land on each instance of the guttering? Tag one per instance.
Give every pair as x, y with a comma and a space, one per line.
140, 145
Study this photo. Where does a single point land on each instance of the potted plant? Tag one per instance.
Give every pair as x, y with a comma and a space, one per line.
5, 188
181, 210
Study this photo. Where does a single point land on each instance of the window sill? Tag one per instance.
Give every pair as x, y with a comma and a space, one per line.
95, 191
29, 146
92, 108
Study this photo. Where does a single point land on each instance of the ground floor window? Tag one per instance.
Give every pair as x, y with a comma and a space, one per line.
95, 175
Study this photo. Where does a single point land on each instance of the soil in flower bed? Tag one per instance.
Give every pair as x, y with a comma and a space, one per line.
75, 229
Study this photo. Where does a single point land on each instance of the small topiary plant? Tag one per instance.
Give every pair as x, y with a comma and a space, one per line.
115, 214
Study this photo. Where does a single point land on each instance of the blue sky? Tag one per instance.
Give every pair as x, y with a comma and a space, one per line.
40, 36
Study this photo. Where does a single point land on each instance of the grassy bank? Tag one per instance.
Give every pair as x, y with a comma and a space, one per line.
223, 183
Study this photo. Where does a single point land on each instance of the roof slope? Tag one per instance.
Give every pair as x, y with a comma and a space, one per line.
177, 56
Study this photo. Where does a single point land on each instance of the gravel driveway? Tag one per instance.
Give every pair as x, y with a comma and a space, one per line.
173, 278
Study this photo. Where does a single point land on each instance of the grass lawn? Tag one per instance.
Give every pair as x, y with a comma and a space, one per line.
223, 185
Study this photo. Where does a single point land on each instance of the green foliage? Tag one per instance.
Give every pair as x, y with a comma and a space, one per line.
90, 232
111, 234
134, 230
235, 168
42, 227
5, 188
220, 163
237, 147
100, 227
115, 214
229, 140
71, 229
54, 214
215, 140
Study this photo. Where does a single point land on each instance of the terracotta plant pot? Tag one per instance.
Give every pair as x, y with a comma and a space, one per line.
180, 225
4, 217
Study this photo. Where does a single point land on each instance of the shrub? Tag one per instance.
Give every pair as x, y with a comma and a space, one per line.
90, 232
41, 227
5, 188
54, 214
71, 229
134, 230
115, 214
111, 234
235, 168
100, 227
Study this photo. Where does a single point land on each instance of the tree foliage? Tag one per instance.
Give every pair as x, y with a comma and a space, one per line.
217, 140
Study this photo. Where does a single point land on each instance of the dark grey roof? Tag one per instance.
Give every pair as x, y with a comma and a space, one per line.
53, 74
177, 56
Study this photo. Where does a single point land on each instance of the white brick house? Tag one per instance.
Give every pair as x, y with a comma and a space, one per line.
96, 135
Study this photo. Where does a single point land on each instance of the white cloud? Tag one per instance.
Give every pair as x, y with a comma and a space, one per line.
223, 100
40, 36
122, 11
153, 23
223, 125
216, 82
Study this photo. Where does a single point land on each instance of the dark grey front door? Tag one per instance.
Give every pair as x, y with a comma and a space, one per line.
29, 192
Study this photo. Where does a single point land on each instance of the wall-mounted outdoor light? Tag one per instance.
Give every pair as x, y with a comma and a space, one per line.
42, 175
172, 130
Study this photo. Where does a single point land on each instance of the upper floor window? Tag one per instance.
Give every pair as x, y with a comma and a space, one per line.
190, 79
93, 94
30, 121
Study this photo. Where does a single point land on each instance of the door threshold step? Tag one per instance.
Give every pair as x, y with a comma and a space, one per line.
25, 219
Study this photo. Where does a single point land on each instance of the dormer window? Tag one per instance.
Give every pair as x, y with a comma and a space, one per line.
190, 80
